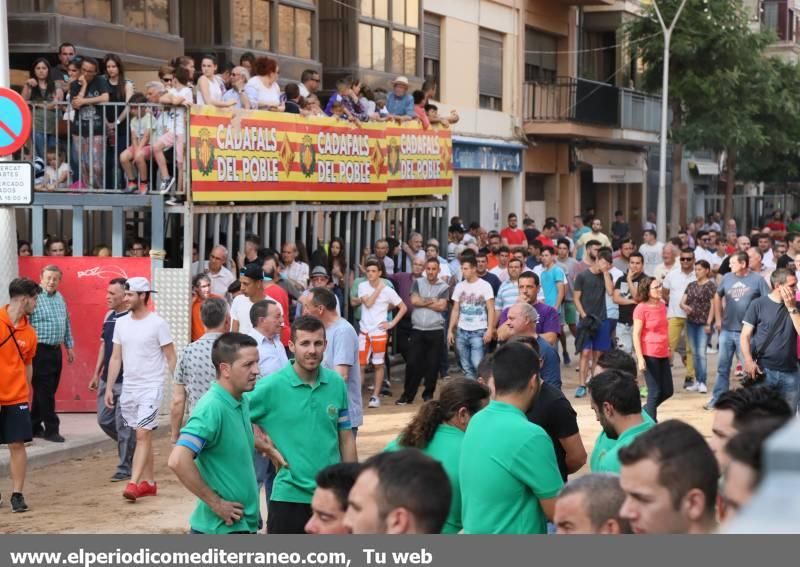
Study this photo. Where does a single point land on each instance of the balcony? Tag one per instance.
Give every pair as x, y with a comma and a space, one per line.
574, 108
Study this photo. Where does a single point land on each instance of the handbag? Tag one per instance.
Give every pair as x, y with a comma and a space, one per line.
760, 377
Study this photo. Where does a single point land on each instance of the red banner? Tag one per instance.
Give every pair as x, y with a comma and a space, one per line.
83, 286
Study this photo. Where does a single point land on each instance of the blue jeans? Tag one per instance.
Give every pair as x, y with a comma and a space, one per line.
698, 340
470, 350
729, 344
787, 383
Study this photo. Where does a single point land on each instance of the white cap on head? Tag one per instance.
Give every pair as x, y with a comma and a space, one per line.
140, 285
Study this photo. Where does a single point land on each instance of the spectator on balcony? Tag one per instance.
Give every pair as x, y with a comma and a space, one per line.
187, 63
293, 98
237, 93
367, 100
165, 75
119, 93
399, 103
312, 108
247, 60
139, 150
419, 109
262, 89
57, 173
56, 246
24, 248
210, 88
60, 73
89, 91
347, 95
226, 75
180, 98
309, 82
44, 94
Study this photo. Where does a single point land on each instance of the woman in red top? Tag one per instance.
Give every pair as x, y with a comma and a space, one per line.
651, 343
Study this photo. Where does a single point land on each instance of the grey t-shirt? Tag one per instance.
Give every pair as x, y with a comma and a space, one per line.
422, 318
568, 265
739, 292
343, 349
593, 293
781, 352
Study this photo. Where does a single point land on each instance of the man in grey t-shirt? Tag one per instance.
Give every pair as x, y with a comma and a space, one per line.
429, 297
739, 288
341, 351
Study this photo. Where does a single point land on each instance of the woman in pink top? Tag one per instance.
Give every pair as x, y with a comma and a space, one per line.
651, 344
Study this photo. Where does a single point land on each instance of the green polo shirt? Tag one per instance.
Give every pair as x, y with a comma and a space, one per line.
604, 455
220, 434
445, 447
304, 422
507, 465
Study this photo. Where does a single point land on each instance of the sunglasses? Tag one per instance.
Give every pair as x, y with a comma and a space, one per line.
687, 259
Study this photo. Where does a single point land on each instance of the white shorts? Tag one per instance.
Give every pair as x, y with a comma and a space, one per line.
139, 408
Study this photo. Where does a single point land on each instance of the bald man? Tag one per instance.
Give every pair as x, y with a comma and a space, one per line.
214, 267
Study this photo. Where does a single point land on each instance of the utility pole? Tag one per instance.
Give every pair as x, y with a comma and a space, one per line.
661, 213
9, 267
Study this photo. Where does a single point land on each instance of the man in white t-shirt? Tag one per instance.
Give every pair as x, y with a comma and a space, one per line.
651, 250
143, 346
674, 286
252, 282
376, 301
501, 269
473, 318
296, 271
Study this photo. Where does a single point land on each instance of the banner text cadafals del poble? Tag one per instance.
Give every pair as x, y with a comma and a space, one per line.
256, 155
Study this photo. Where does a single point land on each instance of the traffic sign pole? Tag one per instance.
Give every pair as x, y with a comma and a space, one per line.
9, 263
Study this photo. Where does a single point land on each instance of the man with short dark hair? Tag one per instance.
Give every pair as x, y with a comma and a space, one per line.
267, 319
53, 329
482, 269
509, 474
625, 294
617, 406
548, 324
56, 247
674, 287
59, 73
304, 410
110, 419
594, 234
399, 492
620, 231
309, 82
17, 350
670, 478
512, 235
213, 455
472, 319
329, 503
590, 504
252, 280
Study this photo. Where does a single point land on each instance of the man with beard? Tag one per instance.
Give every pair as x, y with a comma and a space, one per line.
618, 407
329, 505
625, 250
304, 410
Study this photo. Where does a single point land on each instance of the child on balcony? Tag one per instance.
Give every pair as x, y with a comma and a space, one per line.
57, 173
138, 151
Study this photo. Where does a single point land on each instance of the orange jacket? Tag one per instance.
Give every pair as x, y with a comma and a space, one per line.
17, 351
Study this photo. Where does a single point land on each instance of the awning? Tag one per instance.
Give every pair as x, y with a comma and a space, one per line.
617, 175
704, 166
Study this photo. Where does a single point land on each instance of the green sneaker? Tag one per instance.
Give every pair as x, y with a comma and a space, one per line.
643, 392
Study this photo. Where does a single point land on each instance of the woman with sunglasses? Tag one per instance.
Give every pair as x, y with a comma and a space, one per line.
651, 344
696, 302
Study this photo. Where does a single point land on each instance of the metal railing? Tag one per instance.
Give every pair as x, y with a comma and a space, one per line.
590, 102
90, 149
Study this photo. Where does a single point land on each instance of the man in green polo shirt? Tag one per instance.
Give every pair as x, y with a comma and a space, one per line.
616, 403
509, 473
303, 409
213, 456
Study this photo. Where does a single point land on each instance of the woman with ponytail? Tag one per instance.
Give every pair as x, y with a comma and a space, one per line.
438, 430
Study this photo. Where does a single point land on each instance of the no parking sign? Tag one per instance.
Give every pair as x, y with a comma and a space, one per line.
15, 121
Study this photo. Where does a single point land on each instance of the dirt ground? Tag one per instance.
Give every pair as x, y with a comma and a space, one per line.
77, 497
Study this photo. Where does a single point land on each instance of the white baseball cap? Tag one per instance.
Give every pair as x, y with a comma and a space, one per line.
140, 285
401, 80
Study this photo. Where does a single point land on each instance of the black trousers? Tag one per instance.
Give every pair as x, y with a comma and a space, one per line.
287, 517
424, 359
46, 376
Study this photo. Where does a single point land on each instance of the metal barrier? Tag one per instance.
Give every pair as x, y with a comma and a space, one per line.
87, 149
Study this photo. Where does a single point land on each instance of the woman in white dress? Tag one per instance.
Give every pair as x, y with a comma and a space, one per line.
210, 87
262, 89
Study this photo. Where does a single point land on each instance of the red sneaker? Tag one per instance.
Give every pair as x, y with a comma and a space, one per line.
131, 492
147, 489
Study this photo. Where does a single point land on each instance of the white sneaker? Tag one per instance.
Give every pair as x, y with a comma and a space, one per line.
702, 389
694, 387
711, 350
374, 402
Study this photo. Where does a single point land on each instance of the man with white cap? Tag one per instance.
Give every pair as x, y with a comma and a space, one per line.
399, 103
142, 340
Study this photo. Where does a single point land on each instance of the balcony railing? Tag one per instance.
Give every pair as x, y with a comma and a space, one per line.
572, 99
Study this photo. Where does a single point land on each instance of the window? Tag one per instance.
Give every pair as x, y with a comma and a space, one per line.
431, 56
295, 36
540, 57
152, 15
95, 9
376, 9
490, 70
405, 13
372, 47
251, 20
404, 53
778, 18
469, 198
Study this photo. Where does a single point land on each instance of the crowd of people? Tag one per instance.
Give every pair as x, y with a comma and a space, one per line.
290, 350
92, 128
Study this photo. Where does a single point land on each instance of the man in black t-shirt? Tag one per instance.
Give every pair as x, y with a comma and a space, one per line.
625, 291
89, 91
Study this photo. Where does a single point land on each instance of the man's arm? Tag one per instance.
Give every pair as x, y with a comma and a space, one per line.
114, 366
575, 456
576, 298
369, 300
177, 410
181, 461
235, 326
418, 301
401, 311
343, 370
439, 305
347, 446
69, 340
492, 321
98, 367
29, 373
562, 290
451, 327
718, 312
169, 354
750, 365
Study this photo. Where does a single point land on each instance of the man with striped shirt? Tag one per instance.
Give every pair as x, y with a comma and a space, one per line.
53, 329
509, 290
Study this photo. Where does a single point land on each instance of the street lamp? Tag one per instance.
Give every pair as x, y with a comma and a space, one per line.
661, 212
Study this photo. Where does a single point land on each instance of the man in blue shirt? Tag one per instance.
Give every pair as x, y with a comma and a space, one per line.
399, 103
521, 322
